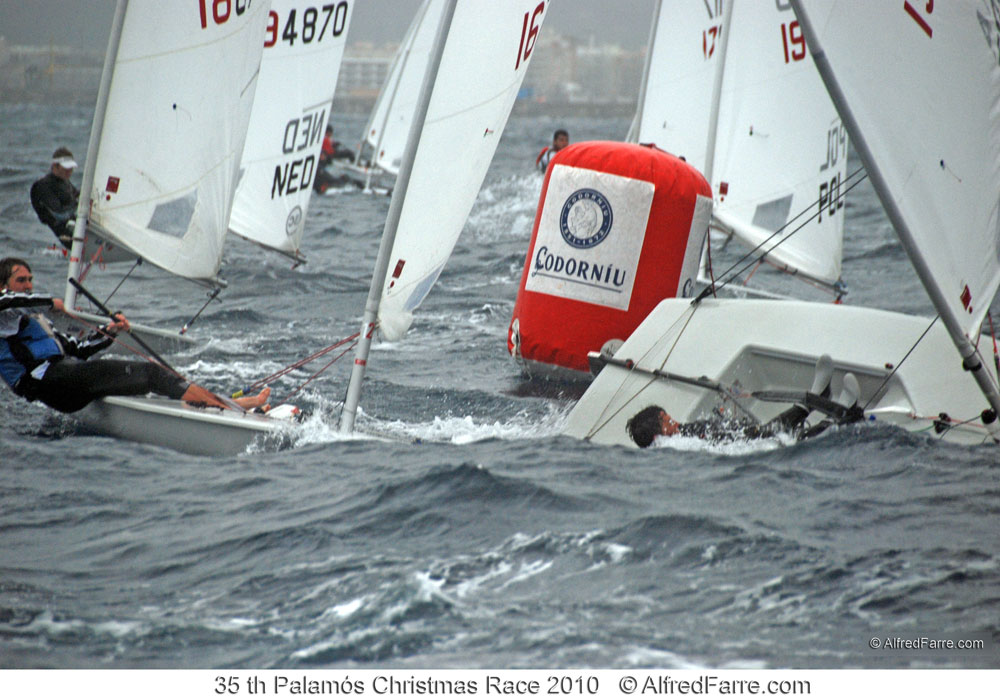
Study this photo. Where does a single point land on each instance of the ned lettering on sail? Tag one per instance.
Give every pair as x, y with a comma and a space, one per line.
300, 134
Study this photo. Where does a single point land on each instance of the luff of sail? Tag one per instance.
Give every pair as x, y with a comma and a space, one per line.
779, 147
484, 62
926, 98
176, 114
923, 107
303, 49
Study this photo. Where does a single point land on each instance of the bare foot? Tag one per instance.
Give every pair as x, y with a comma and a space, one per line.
251, 402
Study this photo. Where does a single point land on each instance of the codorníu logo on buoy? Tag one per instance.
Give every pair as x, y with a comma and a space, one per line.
585, 219
584, 284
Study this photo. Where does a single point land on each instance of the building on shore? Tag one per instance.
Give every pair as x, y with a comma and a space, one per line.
566, 76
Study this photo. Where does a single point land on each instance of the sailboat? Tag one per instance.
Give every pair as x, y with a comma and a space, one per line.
164, 148
163, 159
729, 87
303, 48
380, 152
481, 53
925, 123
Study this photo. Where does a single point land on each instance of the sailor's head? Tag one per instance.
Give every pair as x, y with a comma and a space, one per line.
560, 139
651, 421
63, 163
15, 275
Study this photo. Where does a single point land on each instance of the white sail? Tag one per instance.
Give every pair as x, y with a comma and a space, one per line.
303, 48
779, 146
392, 115
485, 59
176, 114
924, 93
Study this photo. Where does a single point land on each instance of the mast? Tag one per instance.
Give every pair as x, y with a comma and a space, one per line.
633, 132
713, 117
392, 222
93, 146
970, 356
713, 124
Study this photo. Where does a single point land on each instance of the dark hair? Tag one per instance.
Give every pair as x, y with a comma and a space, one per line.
645, 425
560, 132
61, 152
7, 266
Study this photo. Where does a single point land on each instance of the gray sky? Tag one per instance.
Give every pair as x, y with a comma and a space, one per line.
84, 23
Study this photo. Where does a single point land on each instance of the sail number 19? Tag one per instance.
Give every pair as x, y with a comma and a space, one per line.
793, 41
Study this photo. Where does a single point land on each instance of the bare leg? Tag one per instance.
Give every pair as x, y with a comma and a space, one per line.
258, 401
200, 395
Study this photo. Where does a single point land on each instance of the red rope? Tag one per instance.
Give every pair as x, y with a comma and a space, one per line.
323, 369
300, 363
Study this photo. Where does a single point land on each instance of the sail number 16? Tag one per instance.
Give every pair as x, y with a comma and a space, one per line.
528, 35
221, 10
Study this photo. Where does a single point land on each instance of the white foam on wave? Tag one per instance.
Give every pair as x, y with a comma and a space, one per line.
733, 448
464, 430
505, 208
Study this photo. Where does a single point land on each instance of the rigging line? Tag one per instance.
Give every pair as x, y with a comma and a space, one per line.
138, 261
749, 254
115, 339
784, 238
689, 312
211, 298
322, 369
819, 211
900, 363
725, 393
300, 363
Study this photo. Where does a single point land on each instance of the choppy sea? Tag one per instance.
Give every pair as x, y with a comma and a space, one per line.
474, 535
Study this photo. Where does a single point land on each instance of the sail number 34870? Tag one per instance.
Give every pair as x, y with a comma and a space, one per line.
312, 24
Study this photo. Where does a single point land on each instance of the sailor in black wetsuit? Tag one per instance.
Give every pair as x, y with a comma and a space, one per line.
54, 197
652, 421
40, 363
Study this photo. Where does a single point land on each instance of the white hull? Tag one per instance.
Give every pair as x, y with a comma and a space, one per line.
366, 177
773, 345
162, 341
178, 426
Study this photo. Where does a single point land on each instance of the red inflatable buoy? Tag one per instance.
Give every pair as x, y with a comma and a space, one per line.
619, 227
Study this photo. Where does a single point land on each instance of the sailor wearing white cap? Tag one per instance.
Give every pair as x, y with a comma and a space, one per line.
54, 197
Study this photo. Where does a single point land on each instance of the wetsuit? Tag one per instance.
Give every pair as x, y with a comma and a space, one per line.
54, 200
715, 430
40, 363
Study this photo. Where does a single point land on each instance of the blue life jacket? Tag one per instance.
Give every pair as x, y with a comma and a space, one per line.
27, 349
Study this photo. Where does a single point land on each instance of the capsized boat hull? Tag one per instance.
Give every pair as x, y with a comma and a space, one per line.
179, 426
761, 345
